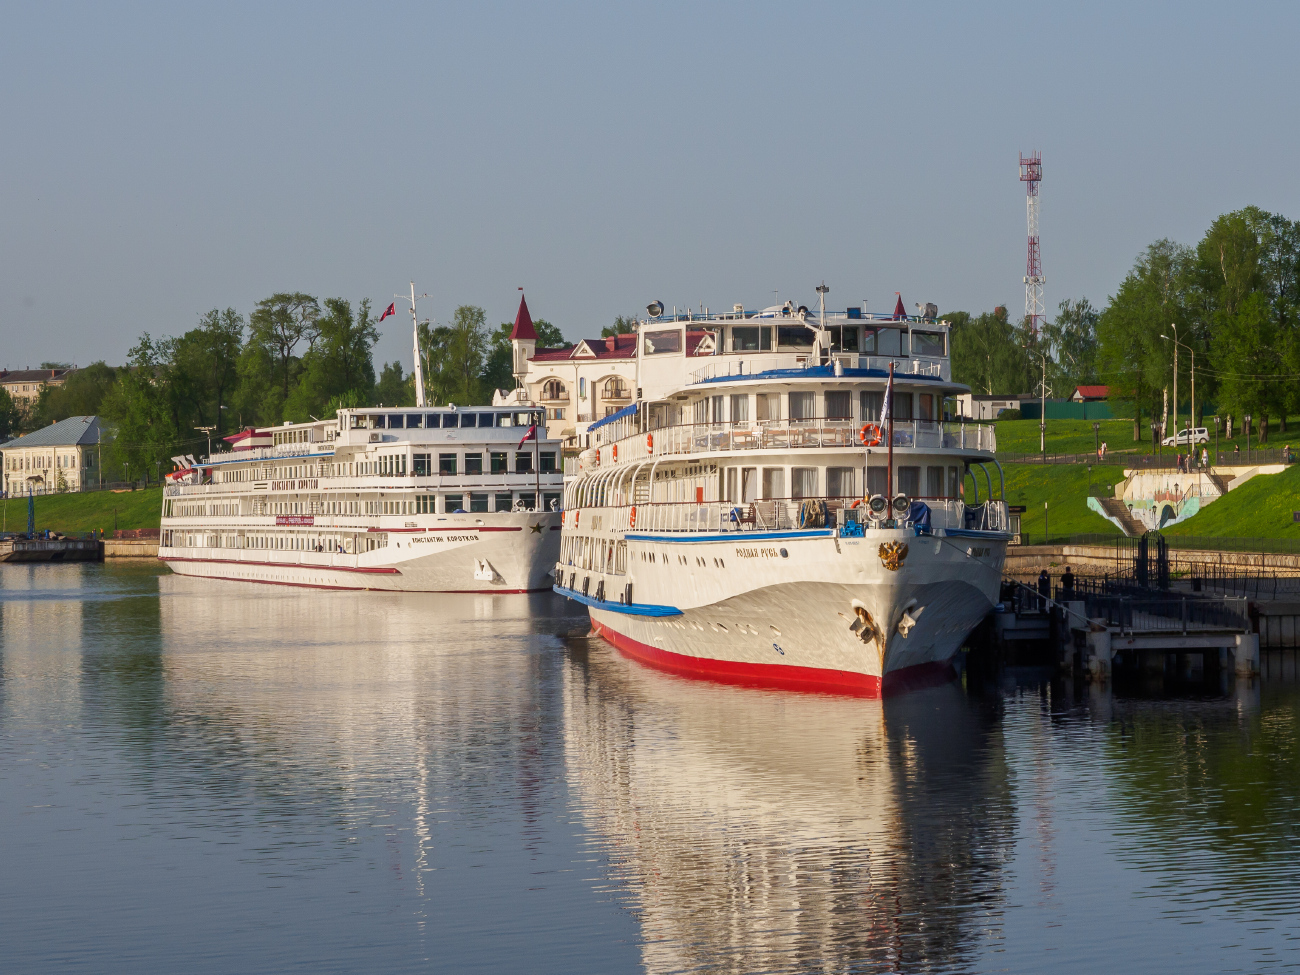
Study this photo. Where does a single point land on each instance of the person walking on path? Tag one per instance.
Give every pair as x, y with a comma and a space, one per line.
1044, 590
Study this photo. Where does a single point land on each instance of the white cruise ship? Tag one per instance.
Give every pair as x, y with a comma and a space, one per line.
430, 500
758, 515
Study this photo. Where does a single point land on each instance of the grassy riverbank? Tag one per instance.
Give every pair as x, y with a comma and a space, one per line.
1260, 508
1076, 436
93, 511
1065, 489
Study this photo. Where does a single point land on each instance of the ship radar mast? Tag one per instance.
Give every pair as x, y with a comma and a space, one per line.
415, 341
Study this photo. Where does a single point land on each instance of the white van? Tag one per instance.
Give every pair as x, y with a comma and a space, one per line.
1191, 436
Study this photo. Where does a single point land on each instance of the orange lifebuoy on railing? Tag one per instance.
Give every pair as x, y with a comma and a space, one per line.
632, 521
856, 503
576, 515
616, 452
870, 434
649, 441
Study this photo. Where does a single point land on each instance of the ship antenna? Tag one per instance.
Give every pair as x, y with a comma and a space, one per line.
415, 340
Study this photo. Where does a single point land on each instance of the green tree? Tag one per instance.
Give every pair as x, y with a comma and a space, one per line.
340, 364
9, 416
81, 395
1132, 357
140, 408
1249, 341
394, 389
1071, 339
988, 354
205, 368
623, 325
281, 323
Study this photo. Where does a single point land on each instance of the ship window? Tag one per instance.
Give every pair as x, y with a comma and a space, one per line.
414, 421
927, 343
500, 463
909, 481
446, 463
794, 337
803, 482
529, 500
925, 406
769, 406
868, 343
773, 482
548, 462
657, 343
431, 421
839, 482
844, 338
454, 503
739, 408
485, 419
954, 483
504, 501
468, 420
803, 406
872, 403
902, 405
474, 462
934, 482
478, 502
421, 464
839, 405
395, 421
523, 462
450, 420
751, 338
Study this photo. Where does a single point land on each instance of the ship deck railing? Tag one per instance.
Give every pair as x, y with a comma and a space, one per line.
784, 514
436, 481
742, 365
797, 434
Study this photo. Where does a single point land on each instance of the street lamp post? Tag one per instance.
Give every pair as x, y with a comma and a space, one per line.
1216, 440
1156, 447
1247, 419
1177, 342
208, 431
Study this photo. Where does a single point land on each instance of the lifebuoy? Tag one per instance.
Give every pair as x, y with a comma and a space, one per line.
576, 515
615, 451
870, 434
856, 503
649, 441
632, 521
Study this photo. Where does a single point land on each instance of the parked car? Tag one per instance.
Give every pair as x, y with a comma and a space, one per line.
1190, 436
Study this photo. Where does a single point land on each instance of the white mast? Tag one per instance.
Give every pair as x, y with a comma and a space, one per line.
415, 342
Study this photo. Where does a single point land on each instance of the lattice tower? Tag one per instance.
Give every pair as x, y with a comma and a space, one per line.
1031, 173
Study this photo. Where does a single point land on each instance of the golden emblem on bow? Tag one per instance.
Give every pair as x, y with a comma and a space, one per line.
892, 555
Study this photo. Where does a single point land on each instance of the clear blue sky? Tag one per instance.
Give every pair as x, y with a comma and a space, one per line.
162, 160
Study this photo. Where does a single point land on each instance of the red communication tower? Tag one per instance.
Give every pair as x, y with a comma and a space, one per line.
1031, 174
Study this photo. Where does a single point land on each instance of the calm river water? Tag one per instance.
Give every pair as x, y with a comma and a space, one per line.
218, 777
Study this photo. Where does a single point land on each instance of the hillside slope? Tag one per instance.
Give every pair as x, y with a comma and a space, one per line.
1260, 508
78, 513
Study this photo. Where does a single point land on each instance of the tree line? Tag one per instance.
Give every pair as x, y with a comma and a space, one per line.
294, 358
1232, 301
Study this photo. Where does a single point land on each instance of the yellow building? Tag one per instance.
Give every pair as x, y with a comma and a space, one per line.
24, 385
61, 457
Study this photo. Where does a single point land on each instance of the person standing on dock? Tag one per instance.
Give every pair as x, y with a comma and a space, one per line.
1044, 590
1067, 583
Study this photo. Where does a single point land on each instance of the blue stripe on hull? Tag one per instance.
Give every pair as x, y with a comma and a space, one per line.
629, 609
736, 536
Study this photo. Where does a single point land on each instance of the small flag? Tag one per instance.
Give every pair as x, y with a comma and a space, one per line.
889, 400
390, 310
530, 435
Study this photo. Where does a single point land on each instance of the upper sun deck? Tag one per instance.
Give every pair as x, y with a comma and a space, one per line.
362, 429
677, 351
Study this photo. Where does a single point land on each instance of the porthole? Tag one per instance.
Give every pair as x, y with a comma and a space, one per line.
775, 631
784, 554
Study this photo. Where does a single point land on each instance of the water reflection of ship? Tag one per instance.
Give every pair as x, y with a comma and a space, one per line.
767, 831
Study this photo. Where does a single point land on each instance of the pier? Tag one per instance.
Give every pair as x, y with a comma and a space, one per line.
20, 549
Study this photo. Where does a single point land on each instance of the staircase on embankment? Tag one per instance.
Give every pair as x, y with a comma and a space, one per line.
1117, 511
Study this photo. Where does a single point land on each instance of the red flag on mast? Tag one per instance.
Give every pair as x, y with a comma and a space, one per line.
530, 435
390, 310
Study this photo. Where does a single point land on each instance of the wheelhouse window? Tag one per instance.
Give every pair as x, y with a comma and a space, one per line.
478, 502
414, 421
844, 338
395, 421
450, 420
751, 338
446, 463
500, 463
868, 342
468, 420
454, 503
486, 419
473, 463
657, 343
794, 337
548, 462
523, 462
928, 343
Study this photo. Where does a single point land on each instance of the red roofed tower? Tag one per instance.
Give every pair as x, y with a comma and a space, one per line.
523, 340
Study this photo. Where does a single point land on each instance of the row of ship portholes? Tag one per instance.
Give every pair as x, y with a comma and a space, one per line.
683, 560
742, 628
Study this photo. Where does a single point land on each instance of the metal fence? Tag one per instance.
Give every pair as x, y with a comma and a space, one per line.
1171, 613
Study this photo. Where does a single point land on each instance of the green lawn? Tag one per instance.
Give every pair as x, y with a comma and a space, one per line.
1260, 508
1076, 437
78, 513
1065, 489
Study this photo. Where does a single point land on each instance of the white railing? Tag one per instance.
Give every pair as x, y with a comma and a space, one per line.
779, 514
513, 480
770, 435
742, 364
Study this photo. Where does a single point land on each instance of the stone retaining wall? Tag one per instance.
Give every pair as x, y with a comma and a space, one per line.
130, 548
1026, 561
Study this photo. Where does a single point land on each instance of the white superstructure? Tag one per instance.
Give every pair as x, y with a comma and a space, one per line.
416, 499
757, 514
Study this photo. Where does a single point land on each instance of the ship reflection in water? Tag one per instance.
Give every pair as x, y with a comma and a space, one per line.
771, 831
210, 777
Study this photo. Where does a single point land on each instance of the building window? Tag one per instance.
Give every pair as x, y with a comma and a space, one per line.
554, 414
615, 388
446, 463
553, 389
